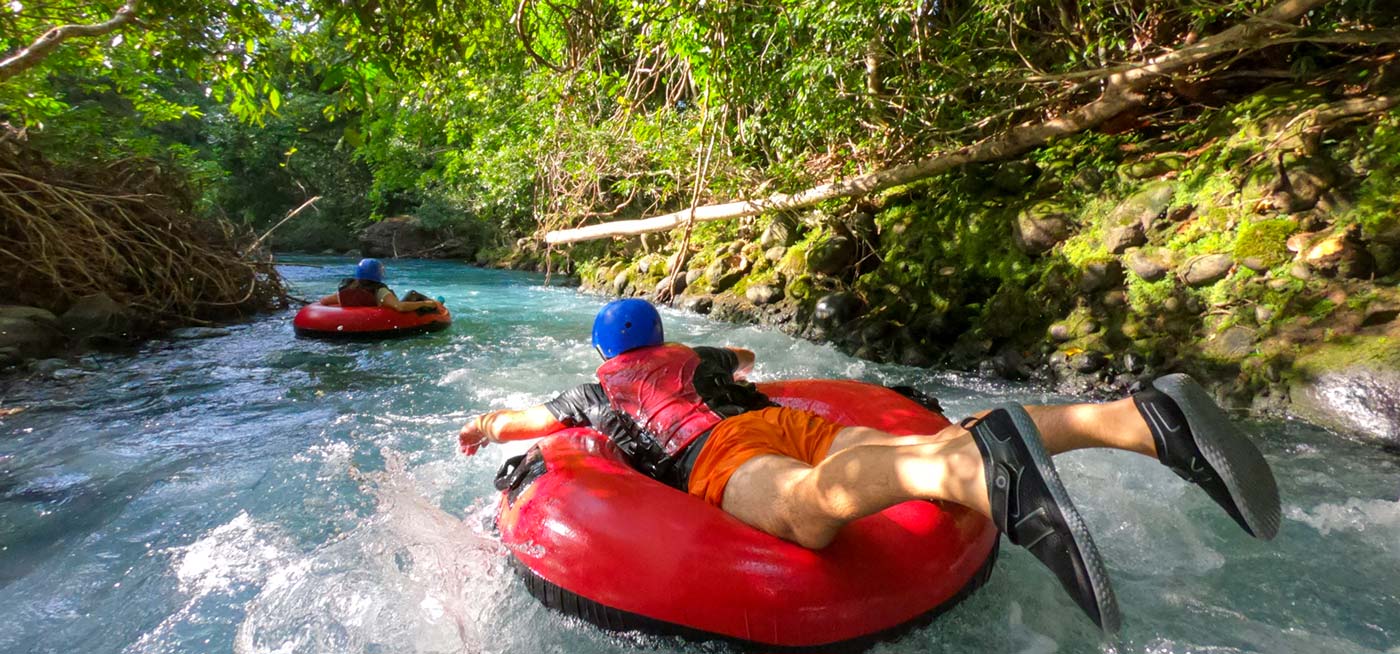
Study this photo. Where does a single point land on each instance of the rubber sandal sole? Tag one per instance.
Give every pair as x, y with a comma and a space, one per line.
1083, 541
1234, 457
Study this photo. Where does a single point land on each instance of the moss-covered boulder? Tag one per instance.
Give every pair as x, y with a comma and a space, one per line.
1042, 226
1129, 222
1351, 385
1262, 244
832, 255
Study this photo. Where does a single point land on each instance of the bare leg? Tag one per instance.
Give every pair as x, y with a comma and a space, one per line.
1063, 427
809, 504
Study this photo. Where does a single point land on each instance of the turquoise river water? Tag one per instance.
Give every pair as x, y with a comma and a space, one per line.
259, 493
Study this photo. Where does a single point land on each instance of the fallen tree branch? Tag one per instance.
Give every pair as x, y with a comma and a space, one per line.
293, 214
43, 46
1120, 94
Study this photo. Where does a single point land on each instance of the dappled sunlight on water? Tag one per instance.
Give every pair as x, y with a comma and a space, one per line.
259, 493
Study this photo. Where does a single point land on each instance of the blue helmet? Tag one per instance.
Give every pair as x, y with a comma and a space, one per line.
370, 270
625, 325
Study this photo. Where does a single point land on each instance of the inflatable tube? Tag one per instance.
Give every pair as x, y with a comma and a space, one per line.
597, 540
322, 321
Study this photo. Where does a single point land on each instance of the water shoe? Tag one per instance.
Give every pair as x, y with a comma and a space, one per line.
1198, 442
1031, 506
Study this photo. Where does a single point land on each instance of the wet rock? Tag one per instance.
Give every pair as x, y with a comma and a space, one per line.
97, 318
402, 236
1088, 361
693, 275
1041, 227
1061, 332
762, 294
700, 304
775, 253
911, 354
1205, 269
783, 231
194, 333
969, 351
9, 356
1300, 270
1352, 388
1009, 364
837, 308
28, 339
1116, 299
833, 255
1150, 266
1098, 275
1340, 254
1263, 314
1134, 363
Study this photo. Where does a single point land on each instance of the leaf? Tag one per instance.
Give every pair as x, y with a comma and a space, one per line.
274, 99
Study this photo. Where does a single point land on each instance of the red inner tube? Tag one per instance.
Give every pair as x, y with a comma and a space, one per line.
600, 541
323, 321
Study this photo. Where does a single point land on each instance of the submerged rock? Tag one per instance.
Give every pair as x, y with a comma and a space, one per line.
193, 333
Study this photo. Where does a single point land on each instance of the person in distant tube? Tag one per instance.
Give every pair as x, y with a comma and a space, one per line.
367, 289
685, 417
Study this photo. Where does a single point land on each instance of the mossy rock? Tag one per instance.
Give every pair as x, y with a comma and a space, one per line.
1154, 167
1262, 244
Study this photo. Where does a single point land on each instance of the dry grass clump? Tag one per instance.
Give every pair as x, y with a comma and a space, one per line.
127, 229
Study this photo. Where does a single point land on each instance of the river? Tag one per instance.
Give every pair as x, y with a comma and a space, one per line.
260, 493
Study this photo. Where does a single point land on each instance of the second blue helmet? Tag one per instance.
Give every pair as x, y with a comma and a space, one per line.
370, 270
625, 325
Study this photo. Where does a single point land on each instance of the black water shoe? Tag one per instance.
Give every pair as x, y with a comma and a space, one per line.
1031, 506
1198, 442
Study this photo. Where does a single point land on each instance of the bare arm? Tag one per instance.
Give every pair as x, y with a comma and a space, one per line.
393, 302
507, 425
332, 300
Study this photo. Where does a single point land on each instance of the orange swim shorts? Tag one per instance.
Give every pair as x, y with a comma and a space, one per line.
776, 430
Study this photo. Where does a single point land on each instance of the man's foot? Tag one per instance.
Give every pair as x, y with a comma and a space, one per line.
1031, 506
1198, 442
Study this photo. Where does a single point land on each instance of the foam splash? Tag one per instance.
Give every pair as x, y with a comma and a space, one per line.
1376, 521
412, 578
